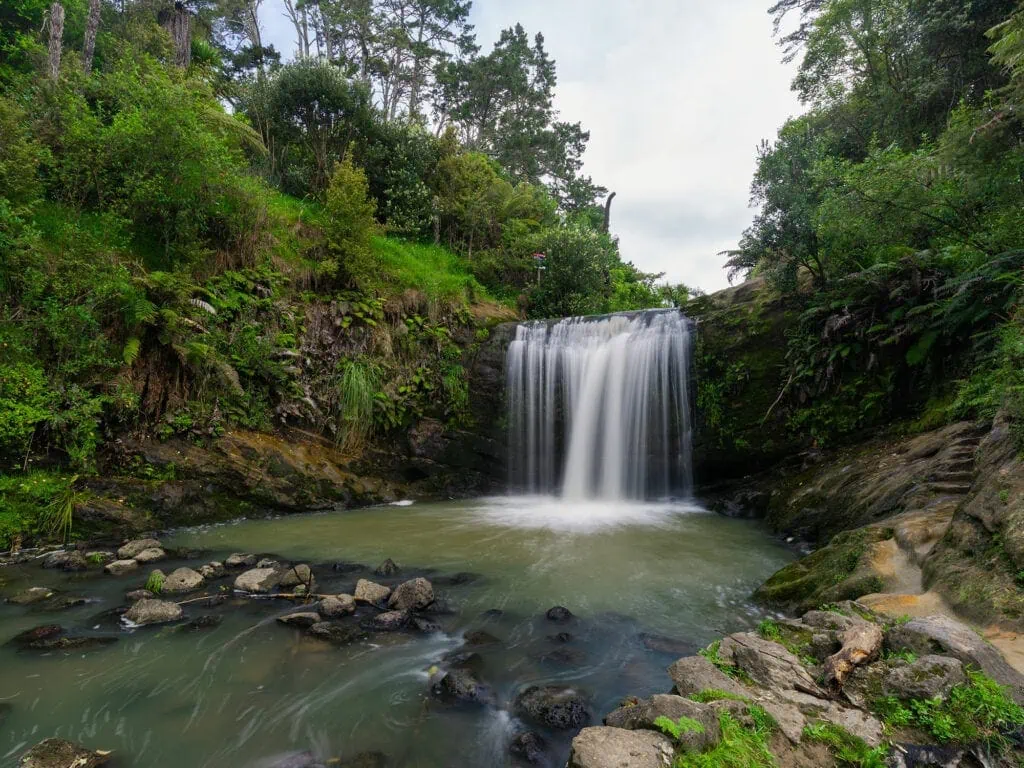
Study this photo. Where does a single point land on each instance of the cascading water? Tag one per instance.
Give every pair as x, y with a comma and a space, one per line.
599, 406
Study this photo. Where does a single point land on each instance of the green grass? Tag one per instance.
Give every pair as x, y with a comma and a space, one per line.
155, 582
24, 498
678, 728
847, 749
769, 630
436, 272
714, 694
740, 747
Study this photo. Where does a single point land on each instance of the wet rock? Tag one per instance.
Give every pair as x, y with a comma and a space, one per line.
63, 603
559, 614
347, 567
51, 637
182, 580
566, 657
926, 678
458, 579
693, 674
134, 548
529, 747
72, 560
147, 612
492, 613
642, 715
258, 581
296, 575
613, 748
388, 568
424, 625
390, 621
240, 560
268, 562
44, 632
414, 595
768, 663
667, 645
339, 634
463, 660
947, 636
151, 555
336, 606
552, 706
5, 711
304, 619
211, 571
370, 592
292, 760
31, 596
120, 567
561, 637
460, 686
201, 623
917, 756
477, 637
59, 753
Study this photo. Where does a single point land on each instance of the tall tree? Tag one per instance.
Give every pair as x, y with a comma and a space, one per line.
92, 24
56, 23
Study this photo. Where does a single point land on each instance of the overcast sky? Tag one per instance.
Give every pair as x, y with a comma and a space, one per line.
677, 94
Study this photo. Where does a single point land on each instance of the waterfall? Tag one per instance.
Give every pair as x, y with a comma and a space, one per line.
599, 407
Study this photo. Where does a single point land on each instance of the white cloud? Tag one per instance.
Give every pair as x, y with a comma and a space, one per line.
677, 94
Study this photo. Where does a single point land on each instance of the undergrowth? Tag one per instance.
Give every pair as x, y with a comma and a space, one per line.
740, 747
847, 749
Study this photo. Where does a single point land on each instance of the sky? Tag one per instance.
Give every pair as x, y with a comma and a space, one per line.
676, 94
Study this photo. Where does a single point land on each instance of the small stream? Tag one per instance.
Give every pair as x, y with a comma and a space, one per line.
647, 582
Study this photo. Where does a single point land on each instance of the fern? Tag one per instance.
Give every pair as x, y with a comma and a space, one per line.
131, 350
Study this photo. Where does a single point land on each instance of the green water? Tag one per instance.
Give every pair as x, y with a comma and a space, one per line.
251, 691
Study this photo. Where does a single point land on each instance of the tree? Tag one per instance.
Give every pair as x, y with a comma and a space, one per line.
56, 23
91, 26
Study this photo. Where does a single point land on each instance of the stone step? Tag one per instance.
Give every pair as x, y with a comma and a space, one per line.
958, 465
958, 488
966, 442
953, 477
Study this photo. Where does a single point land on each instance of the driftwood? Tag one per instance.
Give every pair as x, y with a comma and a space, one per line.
56, 39
861, 645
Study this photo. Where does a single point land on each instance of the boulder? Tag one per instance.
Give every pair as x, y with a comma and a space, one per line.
182, 580
72, 560
211, 571
460, 686
926, 678
336, 606
153, 612
60, 753
641, 716
388, 568
949, 637
477, 637
303, 619
134, 548
268, 562
552, 706
693, 674
615, 748
369, 592
120, 567
558, 614
51, 637
31, 595
151, 555
767, 663
529, 747
414, 595
297, 574
463, 660
390, 621
339, 634
240, 560
258, 581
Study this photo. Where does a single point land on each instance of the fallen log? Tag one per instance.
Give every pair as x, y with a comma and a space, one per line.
861, 645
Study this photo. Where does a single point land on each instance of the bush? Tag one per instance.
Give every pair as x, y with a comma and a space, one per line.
349, 223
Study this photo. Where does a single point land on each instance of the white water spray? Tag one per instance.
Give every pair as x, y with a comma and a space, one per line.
599, 407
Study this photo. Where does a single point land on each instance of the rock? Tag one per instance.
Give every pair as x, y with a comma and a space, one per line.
240, 560
343, 567
460, 686
120, 567
642, 715
51, 637
258, 580
153, 612
666, 645
390, 621
211, 571
477, 637
569, 657
604, 747
948, 637
464, 660
365, 760
65, 602
917, 756
926, 678
182, 580
201, 623
768, 663
336, 606
693, 674
303, 619
134, 548
72, 560
292, 760
425, 626
559, 614
529, 747
552, 706
31, 596
458, 579
151, 555
268, 562
297, 574
369, 592
59, 753
861, 644
339, 634
414, 595
44, 632
387, 568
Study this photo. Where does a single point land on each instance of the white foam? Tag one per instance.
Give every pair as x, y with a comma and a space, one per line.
576, 516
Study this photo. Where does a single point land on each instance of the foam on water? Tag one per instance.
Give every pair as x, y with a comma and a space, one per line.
555, 513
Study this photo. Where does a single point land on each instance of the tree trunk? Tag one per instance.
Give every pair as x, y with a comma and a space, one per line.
92, 24
608, 213
179, 25
56, 38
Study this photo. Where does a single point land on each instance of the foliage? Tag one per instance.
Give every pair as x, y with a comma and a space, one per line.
349, 223
58, 516
677, 728
25, 498
769, 630
847, 749
739, 747
977, 711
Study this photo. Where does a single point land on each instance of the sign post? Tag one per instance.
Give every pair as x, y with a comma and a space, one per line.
540, 259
